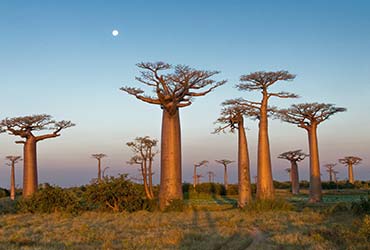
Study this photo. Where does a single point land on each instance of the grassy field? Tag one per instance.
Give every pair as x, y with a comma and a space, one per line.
207, 223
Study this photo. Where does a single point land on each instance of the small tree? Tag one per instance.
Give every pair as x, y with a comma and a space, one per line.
211, 176
195, 176
99, 157
350, 161
25, 127
173, 91
335, 176
294, 157
12, 161
225, 164
308, 116
144, 149
262, 81
330, 169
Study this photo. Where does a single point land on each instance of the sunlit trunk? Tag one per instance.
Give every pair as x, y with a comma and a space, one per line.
170, 187
99, 170
150, 177
225, 177
350, 173
30, 167
12, 182
294, 177
265, 187
245, 190
194, 177
315, 178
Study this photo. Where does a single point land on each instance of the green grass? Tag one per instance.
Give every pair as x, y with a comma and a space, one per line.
208, 222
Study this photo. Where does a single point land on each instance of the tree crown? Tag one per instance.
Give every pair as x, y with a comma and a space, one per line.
174, 89
350, 160
306, 115
99, 156
224, 162
295, 155
202, 163
144, 148
13, 159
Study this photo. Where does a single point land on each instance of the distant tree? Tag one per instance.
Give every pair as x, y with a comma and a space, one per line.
225, 164
335, 176
99, 157
294, 157
350, 161
144, 149
172, 91
12, 161
308, 116
261, 81
25, 127
195, 176
198, 177
231, 119
105, 169
211, 176
330, 169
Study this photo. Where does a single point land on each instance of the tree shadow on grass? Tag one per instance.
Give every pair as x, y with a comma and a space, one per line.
206, 236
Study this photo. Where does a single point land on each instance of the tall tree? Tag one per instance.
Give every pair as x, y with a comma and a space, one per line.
262, 81
294, 157
225, 164
231, 119
308, 116
25, 127
12, 161
350, 161
99, 157
173, 90
144, 149
195, 176
330, 169
211, 176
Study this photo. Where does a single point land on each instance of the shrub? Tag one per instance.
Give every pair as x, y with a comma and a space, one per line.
175, 206
338, 208
362, 206
232, 189
4, 193
282, 185
50, 199
115, 194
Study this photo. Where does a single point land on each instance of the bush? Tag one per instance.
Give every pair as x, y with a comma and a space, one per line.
282, 185
175, 206
338, 208
4, 193
50, 199
115, 194
232, 189
362, 206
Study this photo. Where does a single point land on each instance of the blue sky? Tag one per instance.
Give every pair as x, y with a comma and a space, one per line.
60, 58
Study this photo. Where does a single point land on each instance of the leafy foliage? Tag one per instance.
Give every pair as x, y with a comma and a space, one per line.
115, 194
51, 199
362, 206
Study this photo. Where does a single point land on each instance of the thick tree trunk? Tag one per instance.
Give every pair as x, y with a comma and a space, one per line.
294, 177
350, 173
170, 187
245, 190
225, 177
12, 182
99, 170
195, 177
30, 167
265, 186
315, 178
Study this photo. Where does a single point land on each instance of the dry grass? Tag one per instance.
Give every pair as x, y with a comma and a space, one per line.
230, 229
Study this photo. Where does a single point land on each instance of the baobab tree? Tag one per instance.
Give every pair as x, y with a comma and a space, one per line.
13, 160
225, 164
144, 149
195, 176
350, 161
294, 157
231, 119
99, 157
198, 177
262, 81
335, 176
211, 176
25, 127
330, 169
173, 90
308, 116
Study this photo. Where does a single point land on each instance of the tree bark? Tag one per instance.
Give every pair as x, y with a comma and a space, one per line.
12, 182
150, 177
170, 188
294, 177
245, 190
195, 177
29, 167
99, 170
265, 186
225, 177
350, 173
315, 178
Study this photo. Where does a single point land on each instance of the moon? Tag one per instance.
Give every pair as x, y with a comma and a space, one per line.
115, 32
